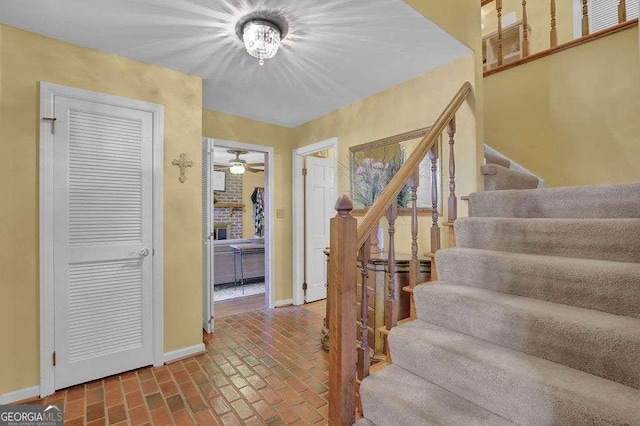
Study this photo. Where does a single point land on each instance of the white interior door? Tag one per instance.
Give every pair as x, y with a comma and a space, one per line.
207, 235
319, 204
103, 208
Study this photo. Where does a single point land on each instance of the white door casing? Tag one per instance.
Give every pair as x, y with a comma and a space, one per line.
319, 192
207, 236
101, 217
269, 210
298, 158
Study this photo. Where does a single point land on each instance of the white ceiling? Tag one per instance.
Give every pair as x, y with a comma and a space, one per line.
336, 51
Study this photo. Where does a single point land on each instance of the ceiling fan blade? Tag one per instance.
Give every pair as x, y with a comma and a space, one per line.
252, 170
255, 164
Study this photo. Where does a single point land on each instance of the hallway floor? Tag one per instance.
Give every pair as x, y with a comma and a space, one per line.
263, 367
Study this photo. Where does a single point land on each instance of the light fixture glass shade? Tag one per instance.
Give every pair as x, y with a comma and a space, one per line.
236, 168
261, 39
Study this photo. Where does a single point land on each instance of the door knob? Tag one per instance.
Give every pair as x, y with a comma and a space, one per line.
143, 252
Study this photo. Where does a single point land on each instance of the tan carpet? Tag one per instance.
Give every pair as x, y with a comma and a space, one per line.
535, 319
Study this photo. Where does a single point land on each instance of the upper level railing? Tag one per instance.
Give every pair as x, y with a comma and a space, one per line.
349, 362
517, 31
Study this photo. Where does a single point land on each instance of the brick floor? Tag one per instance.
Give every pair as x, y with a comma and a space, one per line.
264, 367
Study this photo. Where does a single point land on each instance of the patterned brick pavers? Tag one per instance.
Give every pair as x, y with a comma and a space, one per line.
261, 368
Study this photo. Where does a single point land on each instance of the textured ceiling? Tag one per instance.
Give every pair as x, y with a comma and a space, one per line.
336, 51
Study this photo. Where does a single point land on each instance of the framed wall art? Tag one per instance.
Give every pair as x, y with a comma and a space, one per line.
373, 164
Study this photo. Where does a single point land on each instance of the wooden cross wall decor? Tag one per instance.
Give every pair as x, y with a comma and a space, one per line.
183, 162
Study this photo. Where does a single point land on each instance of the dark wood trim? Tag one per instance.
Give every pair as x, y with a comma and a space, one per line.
485, 2
573, 43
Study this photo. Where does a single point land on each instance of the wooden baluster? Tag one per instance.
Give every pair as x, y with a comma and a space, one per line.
554, 29
585, 18
364, 358
452, 214
622, 11
391, 302
342, 327
525, 30
324, 332
414, 263
435, 228
499, 10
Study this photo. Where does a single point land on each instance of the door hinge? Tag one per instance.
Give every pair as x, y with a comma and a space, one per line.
304, 171
153, 252
304, 287
54, 358
53, 123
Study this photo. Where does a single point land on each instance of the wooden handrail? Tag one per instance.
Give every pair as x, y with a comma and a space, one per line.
399, 180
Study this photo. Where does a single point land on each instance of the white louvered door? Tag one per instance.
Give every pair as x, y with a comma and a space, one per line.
102, 240
207, 235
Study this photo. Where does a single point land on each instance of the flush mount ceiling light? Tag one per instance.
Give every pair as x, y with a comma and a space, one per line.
237, 165
261, 33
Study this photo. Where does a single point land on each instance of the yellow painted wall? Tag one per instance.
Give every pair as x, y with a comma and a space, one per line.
250, 181
233, 128
407, 106
572, 117
0, 79
26, 59
539, 17
461, 19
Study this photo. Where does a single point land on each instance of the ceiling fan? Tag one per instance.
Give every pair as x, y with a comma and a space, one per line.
238, 166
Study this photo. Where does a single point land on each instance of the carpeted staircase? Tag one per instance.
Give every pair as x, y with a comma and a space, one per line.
534, 319
498, 175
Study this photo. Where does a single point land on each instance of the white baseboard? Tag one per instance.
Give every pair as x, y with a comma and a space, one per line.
281, 303
184, 352
19, 395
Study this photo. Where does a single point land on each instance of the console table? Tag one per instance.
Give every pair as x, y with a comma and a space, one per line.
242, 250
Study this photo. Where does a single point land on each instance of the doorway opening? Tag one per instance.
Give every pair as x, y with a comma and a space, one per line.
315, 179
237, 228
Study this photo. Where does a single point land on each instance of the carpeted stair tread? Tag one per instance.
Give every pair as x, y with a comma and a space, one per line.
497, 177
496, 159
605, 239
394, 396
607, 286
364, 422
603, 201
520, 387
595, 342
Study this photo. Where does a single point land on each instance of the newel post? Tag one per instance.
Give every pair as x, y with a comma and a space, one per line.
342, 326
